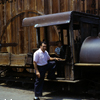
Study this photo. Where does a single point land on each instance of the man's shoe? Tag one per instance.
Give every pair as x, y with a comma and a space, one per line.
36, 99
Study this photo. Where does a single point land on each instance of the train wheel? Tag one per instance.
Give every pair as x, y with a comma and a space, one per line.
26, 85
10, 83
92, 88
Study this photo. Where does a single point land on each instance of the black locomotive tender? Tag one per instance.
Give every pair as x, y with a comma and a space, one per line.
81, 53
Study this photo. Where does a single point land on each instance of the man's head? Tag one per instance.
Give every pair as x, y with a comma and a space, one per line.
59, 44
43, 46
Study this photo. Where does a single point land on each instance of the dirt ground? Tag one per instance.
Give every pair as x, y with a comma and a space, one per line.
16, 92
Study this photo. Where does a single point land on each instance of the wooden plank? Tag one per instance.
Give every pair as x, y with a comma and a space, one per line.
0, 19
85, 5
16, 27
20, 30
26, 39
66, 4
87, 64
62, 80
46, 7
28, 29
50, 28
18, 59
55, 6
21, 41
92, 6
78, 5
32, 29
69, 1
4, 13
9, 37
32, 4
14, 22
42, 37
13, 25
88, 6
67, 72
17, 24
3, 23
33, 37
50, 6
75, 6
26, 4
4, 59
25, 30
71, 5
82, 6
40, 6
97, 6
19, 5
61, 6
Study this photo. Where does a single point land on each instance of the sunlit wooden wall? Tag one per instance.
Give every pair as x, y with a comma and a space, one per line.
13, 11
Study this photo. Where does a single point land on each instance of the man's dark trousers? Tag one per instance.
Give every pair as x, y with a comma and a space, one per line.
38, 86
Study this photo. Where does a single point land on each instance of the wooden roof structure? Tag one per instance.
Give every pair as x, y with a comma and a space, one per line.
11, 16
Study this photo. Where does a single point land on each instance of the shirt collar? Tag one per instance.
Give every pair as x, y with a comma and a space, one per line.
41, 50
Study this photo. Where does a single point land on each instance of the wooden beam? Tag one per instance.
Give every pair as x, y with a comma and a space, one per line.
55, 6
1, 19
8, 16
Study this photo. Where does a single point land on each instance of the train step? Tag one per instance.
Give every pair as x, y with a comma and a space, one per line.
62, 80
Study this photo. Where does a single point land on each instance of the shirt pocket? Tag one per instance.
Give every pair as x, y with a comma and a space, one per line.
41, 56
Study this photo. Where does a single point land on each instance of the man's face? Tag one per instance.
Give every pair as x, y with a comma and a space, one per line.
43, 47
59, 44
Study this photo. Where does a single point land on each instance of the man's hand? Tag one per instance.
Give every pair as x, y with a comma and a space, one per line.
38, 74
58, 59
37, 71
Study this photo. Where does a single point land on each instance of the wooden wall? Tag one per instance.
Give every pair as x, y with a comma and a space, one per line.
13, 11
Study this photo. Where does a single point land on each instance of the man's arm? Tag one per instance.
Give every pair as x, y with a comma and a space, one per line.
36, 69
51, 58
57, 54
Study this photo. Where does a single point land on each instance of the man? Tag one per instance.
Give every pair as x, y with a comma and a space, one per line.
40, 62
58, 49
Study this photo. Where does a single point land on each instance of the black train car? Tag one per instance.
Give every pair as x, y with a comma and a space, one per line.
81, 57
82, 52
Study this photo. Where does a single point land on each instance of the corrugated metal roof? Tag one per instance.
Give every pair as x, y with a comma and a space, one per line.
48, 20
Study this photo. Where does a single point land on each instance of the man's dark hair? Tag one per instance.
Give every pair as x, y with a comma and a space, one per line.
58, 42
42, 42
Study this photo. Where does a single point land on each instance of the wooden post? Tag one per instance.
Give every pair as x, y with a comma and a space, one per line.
71, 36
62, 41
38, 37
46, 38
